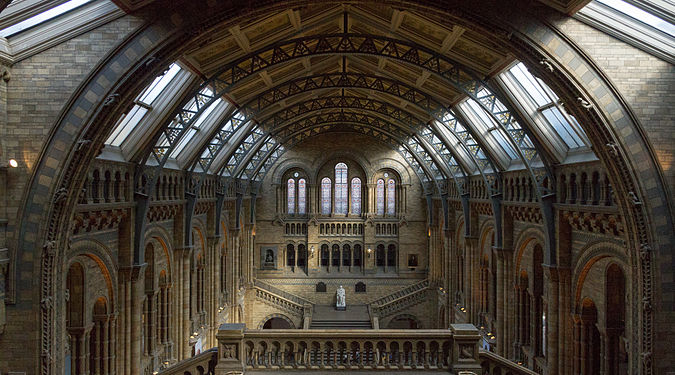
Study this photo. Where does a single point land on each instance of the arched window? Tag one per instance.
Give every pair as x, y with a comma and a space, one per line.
325, 196
324, 255
379, 256
335, 258
391, 256
356, 196
341, 188
357, 255
290, 255
290, 197
391, 197
302, 196
346, 256
379, 197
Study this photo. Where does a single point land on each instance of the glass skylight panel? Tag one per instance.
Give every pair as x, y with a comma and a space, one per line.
144, 101
530, 84
126, 124
544, 100
487, 126
42, 17
640, 15
159, 84
562, 127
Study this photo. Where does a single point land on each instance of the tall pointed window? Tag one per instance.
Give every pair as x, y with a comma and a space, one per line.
291, 195
325, 196
379, 197
341, 188
302, 196
356, 196
391, 197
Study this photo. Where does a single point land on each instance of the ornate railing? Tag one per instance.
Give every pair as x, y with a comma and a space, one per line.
279, 301
491, 363
203, 363
243, 351
402, 292
454, 350
400, 300
274, 290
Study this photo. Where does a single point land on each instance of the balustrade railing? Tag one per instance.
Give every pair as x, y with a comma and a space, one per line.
438, 350
201, 364
242, 351
491, 363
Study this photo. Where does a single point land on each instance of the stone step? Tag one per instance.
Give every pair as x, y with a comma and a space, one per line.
340, 324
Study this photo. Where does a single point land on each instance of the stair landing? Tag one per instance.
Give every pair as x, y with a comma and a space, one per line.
326, 317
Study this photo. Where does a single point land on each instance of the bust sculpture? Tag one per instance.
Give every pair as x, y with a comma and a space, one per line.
340, 303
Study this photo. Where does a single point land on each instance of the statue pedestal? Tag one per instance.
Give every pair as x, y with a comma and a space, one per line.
341, 308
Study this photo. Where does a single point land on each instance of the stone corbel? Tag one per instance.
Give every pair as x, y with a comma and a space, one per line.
4, 268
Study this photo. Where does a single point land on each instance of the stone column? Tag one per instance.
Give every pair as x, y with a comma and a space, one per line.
137, 286
552, 321
501, 303
106, 346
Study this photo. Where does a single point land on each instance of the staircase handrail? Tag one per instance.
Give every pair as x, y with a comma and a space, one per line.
207, 360
280, 301
282, 293
401, 292
495, 361
400, 303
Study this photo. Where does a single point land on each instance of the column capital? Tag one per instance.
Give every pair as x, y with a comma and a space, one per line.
185, 251
555, 273
132, 273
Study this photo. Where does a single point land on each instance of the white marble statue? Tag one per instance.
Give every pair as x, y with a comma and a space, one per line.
340, 298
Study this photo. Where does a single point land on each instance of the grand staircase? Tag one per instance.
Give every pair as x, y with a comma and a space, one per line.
355, 317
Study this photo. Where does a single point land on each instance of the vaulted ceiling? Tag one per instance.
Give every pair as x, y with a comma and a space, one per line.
393, 74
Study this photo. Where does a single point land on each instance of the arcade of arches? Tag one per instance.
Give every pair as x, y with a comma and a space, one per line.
170, 166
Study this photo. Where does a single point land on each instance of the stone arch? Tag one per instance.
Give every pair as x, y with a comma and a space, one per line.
161, 236
276, 316
283, 166
527, 238
100, 255
388, 163
533, 43
411, 319
590, 255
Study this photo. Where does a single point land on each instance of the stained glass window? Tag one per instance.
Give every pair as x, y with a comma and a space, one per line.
379, 197
302, 196
341, 188
325, 196
391, 197
291, 196
356, 196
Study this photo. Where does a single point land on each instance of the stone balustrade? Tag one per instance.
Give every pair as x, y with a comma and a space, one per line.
492, 363
245, 351
203, 363
399, 300
252, 351
279, 301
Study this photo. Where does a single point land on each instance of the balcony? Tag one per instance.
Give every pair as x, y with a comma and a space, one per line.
246, 351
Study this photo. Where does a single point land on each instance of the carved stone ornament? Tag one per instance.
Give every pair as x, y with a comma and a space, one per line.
546, 63
60, 195
466, 351
48, 247
584, 103
229, 351
112, 99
